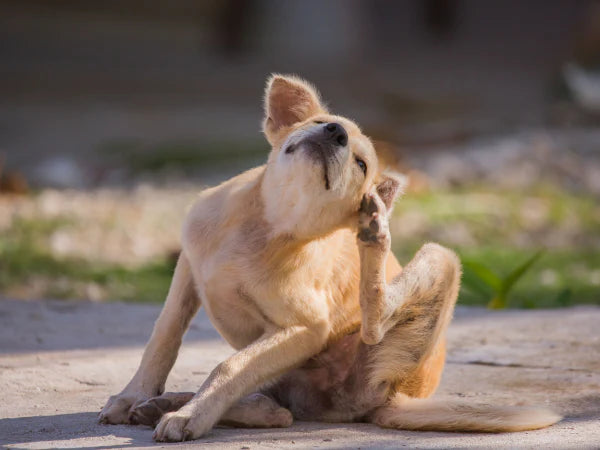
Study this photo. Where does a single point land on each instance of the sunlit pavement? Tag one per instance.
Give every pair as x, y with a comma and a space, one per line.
59, 362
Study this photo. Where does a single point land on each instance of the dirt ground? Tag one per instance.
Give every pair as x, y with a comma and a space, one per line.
60, 361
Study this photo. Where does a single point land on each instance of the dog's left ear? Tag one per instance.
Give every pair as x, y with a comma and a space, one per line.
288, 100
389, 187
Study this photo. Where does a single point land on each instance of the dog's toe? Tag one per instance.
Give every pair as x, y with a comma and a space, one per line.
175, 427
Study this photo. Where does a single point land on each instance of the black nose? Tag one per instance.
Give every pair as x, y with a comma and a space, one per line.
336, 133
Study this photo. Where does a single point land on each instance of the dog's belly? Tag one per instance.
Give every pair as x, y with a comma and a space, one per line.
332, 386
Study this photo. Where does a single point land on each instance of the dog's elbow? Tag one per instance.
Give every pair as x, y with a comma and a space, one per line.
371, 336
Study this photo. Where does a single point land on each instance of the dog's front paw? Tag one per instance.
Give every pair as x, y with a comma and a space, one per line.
118, 408
181, 426
373, 227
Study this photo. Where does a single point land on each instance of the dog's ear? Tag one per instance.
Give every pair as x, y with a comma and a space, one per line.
389, 187
288, 100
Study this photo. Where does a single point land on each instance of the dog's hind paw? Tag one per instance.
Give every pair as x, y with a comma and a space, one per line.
151, 411
373, 227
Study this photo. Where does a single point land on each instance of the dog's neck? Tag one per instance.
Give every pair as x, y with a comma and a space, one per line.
289, 211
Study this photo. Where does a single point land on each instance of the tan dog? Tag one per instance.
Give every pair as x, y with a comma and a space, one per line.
273, 256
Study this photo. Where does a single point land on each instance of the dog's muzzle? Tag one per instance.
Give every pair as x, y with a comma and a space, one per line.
326, 141
326, 145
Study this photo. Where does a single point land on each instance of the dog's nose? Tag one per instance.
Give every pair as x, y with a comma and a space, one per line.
336, 133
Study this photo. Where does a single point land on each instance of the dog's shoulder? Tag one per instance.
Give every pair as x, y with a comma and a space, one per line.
223, 208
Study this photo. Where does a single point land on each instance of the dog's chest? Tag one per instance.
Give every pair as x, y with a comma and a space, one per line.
242, 308
242, 305
248, 289
237, 320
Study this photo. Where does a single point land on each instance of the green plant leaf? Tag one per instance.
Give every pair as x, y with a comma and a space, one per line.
473, 284
484, 274
509, 281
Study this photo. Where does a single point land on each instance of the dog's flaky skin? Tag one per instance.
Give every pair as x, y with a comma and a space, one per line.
292, 263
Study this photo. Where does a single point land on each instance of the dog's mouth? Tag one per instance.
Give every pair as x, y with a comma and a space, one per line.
326, 174
320, 154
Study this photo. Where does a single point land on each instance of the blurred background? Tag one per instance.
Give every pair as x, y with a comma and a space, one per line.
113, 115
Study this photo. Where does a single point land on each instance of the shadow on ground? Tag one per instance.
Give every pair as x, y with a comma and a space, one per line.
45, 431
55, 325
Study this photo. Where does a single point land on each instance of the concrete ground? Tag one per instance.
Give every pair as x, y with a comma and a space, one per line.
60, 361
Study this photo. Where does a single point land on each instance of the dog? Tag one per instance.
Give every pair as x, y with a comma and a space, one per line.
292, 263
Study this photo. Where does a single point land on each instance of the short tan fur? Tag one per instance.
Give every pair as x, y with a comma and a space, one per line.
292, 263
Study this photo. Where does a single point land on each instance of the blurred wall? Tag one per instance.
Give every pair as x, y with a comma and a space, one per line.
75, 75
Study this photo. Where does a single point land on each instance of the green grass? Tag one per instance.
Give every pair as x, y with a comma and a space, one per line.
499, 238
497, 234
25, 259
559, 277
488, 283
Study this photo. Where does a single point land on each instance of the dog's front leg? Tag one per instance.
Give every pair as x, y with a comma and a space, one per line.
161, 351
272, 355
374, 243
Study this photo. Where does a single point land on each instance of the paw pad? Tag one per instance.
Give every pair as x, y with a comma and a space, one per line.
372, 222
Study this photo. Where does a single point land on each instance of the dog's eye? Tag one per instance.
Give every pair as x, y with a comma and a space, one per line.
362, 165
318, 122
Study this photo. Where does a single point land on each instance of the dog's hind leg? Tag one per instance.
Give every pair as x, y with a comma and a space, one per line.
407, 320
418, 307
257, 411
254, 411
161, 351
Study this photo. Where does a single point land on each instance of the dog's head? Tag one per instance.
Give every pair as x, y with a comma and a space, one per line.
320, 165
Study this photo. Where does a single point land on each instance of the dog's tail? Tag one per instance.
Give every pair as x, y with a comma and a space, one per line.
407, 413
